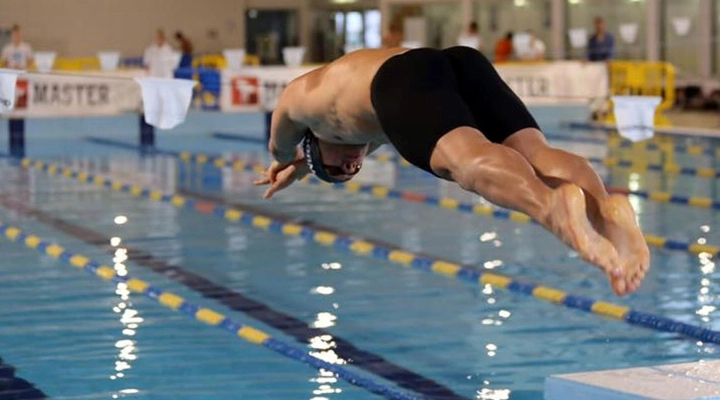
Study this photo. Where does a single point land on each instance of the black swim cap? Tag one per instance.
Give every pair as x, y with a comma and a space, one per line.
314, 159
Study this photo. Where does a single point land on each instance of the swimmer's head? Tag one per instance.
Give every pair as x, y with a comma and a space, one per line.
334, 163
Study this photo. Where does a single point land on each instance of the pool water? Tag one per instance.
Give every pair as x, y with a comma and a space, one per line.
75, 336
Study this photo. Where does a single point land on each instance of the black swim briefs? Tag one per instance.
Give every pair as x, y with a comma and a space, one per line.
422, 94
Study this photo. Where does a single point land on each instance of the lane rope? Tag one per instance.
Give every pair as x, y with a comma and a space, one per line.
360, 246
383, 192
637, 166
202, 314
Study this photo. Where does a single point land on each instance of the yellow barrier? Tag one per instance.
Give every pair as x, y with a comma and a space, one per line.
93, 63
77, 64
644, 78
217, 61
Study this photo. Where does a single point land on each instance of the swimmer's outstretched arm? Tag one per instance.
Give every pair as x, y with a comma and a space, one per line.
285, 134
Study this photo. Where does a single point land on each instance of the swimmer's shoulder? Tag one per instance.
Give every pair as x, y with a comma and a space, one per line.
324, 81
303, 96
346, 64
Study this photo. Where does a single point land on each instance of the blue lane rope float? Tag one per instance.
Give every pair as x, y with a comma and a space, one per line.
618, 143
658, 196
633, 166
220, 162
671, 169
360, 246
671, 132
480, 209
198, 313
611, 142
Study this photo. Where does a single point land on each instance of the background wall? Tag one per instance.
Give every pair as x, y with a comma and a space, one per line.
82, 27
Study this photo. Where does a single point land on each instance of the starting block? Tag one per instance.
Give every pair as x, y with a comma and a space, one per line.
691, 381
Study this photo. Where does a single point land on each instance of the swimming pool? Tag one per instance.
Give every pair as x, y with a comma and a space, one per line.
73, 335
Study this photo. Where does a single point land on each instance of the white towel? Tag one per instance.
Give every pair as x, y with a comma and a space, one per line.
44, 60
635, 116
165, 101
109, 60
8, 83
235, 58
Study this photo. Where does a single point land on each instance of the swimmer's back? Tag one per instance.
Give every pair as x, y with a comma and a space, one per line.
334, 100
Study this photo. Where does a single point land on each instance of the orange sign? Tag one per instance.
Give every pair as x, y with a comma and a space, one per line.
245, 91
21, 94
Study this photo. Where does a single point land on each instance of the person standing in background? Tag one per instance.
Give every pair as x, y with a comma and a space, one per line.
504, 48
17, 54
471, 37
601, 46
159, 59
186, 48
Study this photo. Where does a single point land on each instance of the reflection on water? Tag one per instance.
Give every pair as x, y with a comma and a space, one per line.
493, 394
635, 201
323, 346
129, 318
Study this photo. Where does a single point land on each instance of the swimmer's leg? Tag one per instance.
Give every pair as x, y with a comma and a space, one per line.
612, 215
504, 177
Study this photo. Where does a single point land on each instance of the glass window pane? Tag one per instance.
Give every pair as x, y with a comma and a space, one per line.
678, 44
354, 29
373, 29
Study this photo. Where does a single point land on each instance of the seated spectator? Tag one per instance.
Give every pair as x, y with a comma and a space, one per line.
504, 48
533, 50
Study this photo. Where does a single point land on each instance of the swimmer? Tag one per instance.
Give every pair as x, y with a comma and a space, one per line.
449, 113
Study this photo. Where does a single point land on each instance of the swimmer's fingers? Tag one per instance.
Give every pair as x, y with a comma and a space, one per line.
276, 187
275, 169
269, 178
262, 181
283, 179
291, 169
270, 192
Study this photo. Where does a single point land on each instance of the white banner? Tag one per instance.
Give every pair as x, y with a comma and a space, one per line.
255, 88
556, 82
67, 95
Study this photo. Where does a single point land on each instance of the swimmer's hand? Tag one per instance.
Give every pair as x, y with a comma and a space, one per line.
279, 176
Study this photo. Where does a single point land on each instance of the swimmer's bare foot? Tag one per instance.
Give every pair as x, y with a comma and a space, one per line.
567, 219
617, 224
